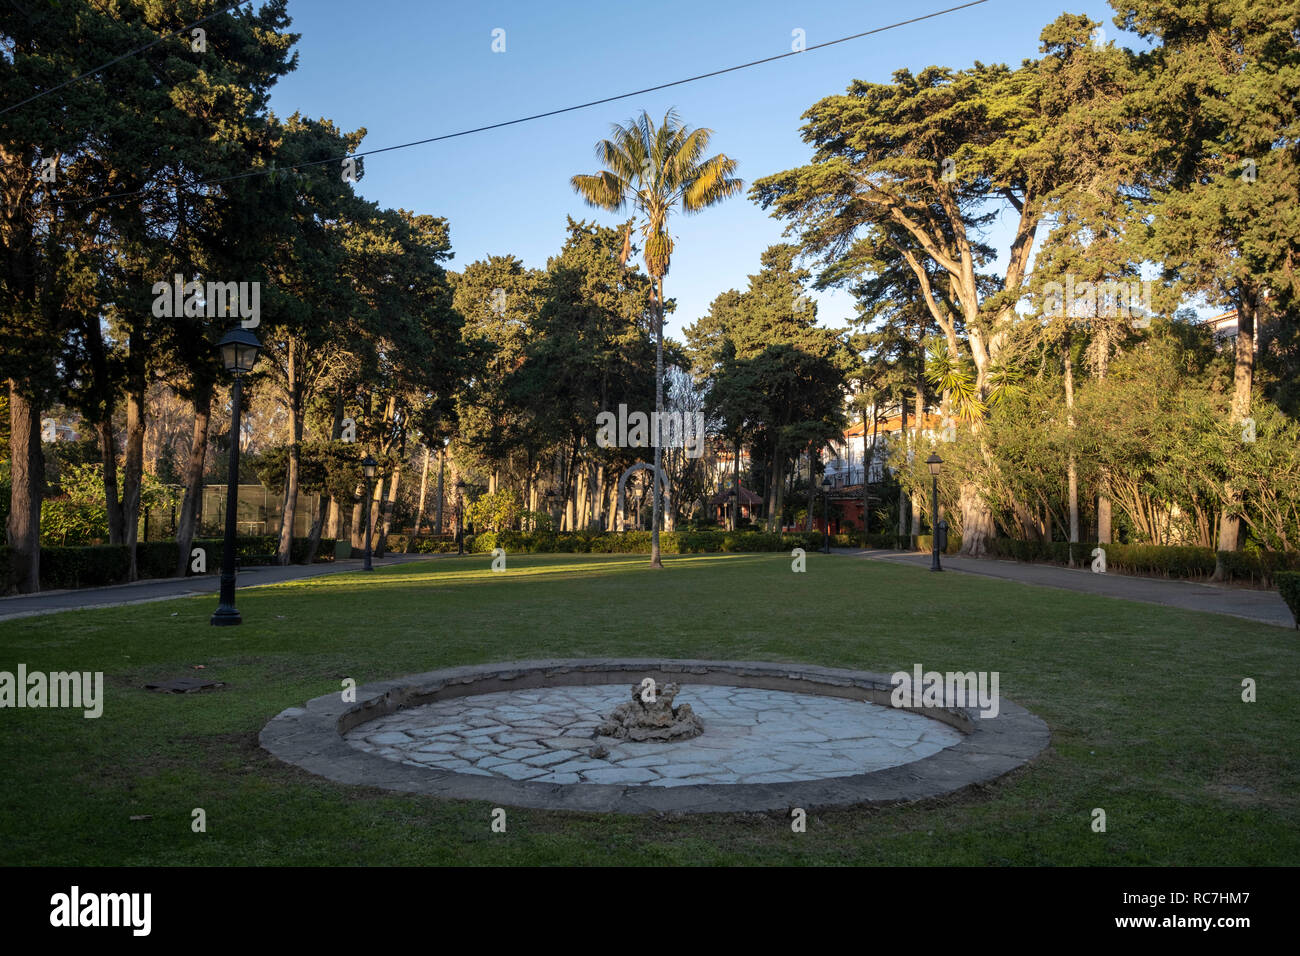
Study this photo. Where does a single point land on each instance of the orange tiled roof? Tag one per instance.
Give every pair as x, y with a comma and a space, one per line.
886, 425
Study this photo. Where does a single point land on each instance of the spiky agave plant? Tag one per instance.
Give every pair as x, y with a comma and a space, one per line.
656, 169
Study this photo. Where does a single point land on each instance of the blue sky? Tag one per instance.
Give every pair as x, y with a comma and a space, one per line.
407, 69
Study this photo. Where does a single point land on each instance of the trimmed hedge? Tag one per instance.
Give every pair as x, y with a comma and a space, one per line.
1262, 567
84, 567
98, 565
1288, 585
1259, 567
422, 544
255, 549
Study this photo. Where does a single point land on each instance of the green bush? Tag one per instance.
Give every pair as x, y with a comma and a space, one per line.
98, 565
84, 567
925, 542
260, 549
425, 544
157, 559
1288, 585
1185, 562
1258, 567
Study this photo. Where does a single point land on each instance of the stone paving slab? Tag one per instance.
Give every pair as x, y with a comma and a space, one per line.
795, 737
312, 737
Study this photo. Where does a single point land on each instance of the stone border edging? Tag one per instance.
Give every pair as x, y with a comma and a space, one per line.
310, 737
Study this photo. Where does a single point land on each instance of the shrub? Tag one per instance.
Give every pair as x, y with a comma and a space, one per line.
260, 549
84, 567
158, 559
432, 544
1288, 585
1172, 561
925, 542
1258, 567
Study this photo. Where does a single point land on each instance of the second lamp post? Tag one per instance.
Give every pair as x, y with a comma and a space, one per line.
239, 354
826, 520
460, 510
935, 463
368, 468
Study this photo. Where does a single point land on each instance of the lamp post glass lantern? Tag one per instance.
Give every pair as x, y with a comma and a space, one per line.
238, 349
935, 464
368, 468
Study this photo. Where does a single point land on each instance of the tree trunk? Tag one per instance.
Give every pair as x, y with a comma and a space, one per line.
326, 499
918, 494
193, 501
976, 521
1072, 467
27, 474
868, 460
358, 526
335, 520
902, 492
386, 507
780, 494
112, 496
659, 407
441, 466
105, 394
735, 474
419, 511
289, 514
133, 470
1243, 381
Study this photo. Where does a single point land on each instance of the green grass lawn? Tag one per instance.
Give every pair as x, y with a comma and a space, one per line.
1144, 704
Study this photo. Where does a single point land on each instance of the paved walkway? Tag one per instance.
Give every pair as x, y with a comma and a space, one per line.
165, 589
1254, 605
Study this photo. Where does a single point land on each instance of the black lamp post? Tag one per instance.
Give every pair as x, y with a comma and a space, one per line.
550, 497
826, 518
935, 463
735, 508
368, 468
460, 511
239, 349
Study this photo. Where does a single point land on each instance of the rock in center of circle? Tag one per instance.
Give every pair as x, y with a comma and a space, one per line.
656, 719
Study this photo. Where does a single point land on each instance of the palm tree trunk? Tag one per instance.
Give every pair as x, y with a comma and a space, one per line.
659, 407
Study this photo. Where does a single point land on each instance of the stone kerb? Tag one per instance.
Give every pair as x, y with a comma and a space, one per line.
310, 737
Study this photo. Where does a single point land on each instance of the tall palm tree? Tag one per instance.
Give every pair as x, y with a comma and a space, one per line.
656, 169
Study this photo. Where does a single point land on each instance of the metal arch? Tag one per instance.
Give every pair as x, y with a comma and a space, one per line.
622, 492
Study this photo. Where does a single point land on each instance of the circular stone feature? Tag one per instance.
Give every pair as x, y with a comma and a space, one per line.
322, 737
752, 735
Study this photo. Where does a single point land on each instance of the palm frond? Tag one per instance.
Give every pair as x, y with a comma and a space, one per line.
603, 190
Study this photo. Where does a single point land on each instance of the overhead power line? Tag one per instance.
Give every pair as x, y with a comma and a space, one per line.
566, 109
126, 55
